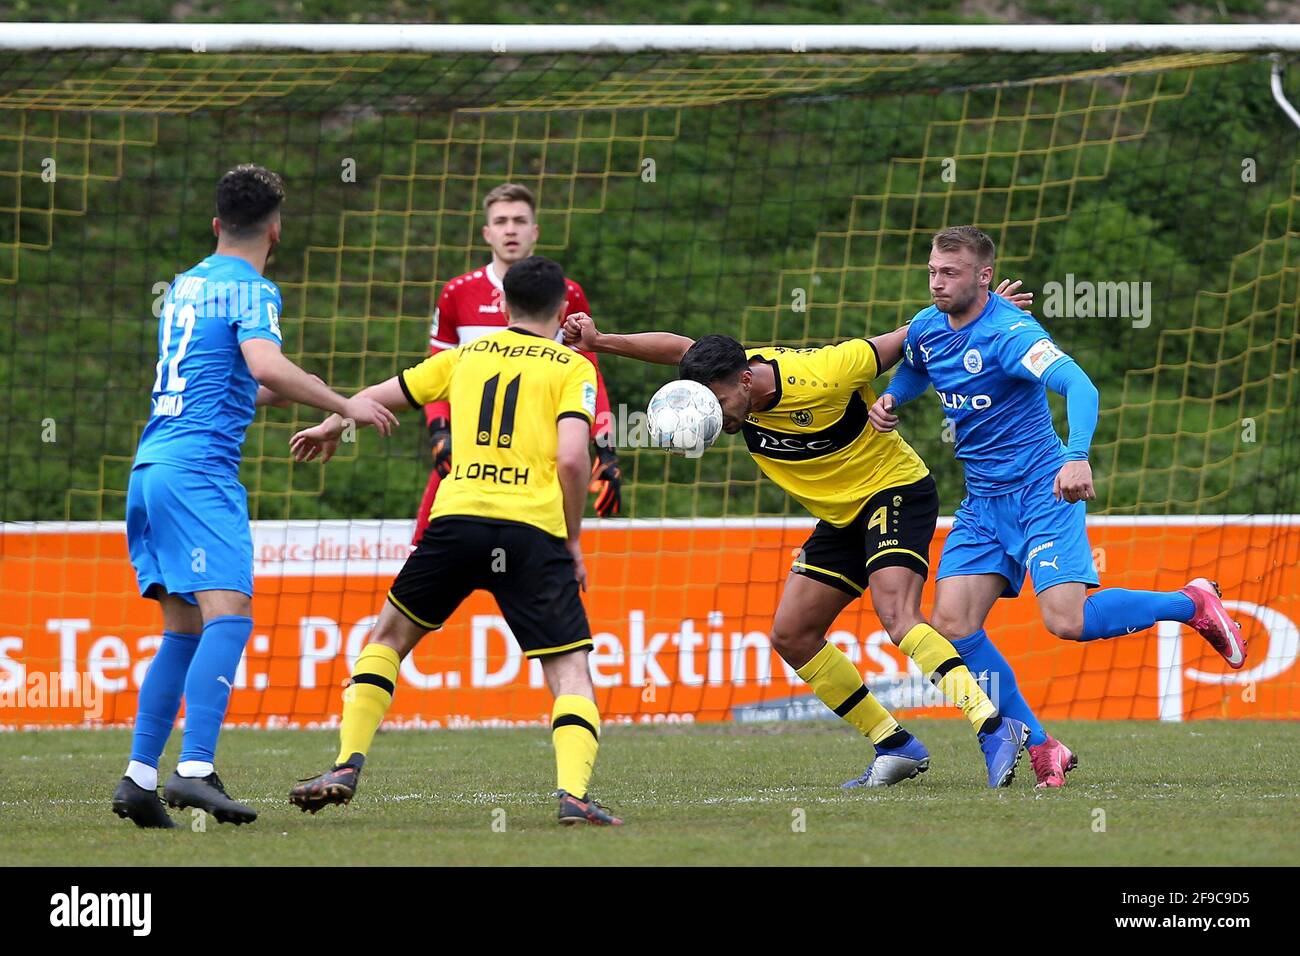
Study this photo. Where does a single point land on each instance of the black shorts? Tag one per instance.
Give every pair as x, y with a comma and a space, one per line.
529, 572
893, 529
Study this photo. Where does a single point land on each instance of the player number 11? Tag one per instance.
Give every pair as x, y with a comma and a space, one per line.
488, 404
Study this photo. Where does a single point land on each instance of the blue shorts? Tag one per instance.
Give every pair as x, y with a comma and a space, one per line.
1025, 529
188, 531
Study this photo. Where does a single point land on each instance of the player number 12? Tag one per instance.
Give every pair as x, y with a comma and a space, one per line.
185, 319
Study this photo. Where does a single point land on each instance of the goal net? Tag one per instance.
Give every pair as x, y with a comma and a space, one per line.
1149, 199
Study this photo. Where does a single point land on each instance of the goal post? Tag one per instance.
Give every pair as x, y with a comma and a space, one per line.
779, 184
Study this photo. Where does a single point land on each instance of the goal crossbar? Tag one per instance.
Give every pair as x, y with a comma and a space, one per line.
554, 38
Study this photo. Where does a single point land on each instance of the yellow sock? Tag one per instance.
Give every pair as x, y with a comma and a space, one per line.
837, 682
374, 678
575, 732
941, 663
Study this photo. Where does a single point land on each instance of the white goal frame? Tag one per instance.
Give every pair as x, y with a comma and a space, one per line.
557, 38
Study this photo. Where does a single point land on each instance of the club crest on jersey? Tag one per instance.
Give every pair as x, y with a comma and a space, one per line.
973, 361
803, 418
907, 353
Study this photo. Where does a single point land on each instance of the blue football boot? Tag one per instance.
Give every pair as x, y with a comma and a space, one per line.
894, 765
1002, 751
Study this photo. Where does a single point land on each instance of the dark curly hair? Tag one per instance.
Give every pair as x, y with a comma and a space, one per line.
713, 358
247, 197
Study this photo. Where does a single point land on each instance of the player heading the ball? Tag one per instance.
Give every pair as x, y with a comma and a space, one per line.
803, 413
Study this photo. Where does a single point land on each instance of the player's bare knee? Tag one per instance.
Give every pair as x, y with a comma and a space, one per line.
569, 673
900, 625
1067, 627
950, 625
214, 604
179, 616
398, 639
796, 645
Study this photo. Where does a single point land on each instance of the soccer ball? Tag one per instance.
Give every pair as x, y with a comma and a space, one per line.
684, 417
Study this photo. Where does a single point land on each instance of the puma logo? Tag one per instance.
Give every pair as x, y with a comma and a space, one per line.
925, 353
1016, 326
224, 681
1050, 564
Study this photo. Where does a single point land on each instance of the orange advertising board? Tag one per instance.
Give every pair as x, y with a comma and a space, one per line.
680, 610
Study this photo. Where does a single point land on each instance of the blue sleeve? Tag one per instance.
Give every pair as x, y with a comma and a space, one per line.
907, 384
910, 379
1081, 404
258, 315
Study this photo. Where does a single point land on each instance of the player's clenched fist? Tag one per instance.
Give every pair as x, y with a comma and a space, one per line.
881, 414
580, 332
1074, 482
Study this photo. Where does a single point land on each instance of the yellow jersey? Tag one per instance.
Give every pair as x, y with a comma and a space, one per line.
815, 442
507, 391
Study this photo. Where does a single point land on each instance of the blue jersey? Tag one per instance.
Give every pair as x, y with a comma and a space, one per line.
204, 396
989, 379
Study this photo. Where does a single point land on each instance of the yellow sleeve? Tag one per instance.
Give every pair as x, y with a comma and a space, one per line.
854, 362
430, 381
579, 395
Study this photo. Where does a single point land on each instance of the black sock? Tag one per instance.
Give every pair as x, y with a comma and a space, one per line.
896, 739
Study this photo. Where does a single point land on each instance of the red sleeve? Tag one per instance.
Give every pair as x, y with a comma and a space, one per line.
603, 422
577, 300
442, 335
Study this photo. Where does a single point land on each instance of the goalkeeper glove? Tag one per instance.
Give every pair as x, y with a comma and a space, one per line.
440, 438
606, 482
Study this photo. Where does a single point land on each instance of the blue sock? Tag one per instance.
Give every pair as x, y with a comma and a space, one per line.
160, 696
1117, 611
208, 684
980, 655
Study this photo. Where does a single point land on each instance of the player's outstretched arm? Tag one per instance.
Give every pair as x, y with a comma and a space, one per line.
573, 466
889, 348
267, 397
323, 440
272, 370
661, 348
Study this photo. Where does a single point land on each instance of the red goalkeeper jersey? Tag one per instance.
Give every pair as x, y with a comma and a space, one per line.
470, 307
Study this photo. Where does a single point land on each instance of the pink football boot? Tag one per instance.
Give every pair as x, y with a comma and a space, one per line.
1211, 621
1051, 761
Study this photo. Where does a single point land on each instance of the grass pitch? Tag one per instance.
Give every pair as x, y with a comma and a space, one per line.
1203, 793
